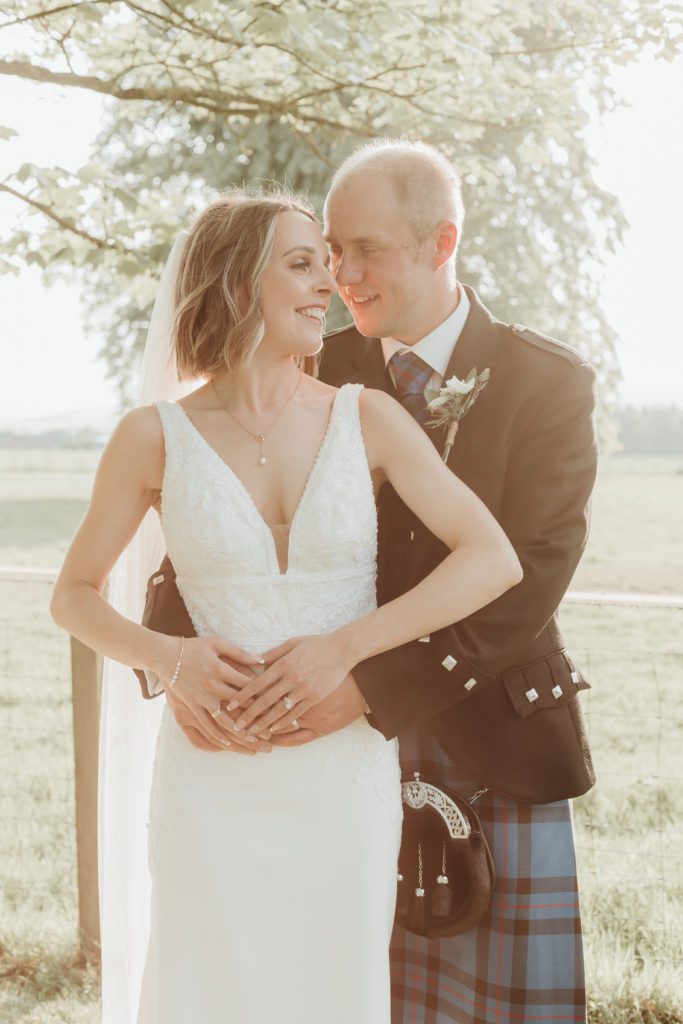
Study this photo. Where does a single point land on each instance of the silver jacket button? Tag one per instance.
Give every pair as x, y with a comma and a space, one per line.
470, 684
532, 695
556, 692
449, 662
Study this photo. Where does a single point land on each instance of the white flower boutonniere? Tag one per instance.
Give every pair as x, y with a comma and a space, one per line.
451, 402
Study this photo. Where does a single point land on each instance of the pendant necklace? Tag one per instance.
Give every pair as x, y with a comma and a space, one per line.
258, 437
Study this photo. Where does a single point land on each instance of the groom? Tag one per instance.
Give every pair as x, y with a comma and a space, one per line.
490, 702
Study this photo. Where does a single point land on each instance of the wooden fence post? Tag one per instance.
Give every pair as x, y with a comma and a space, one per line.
86, 684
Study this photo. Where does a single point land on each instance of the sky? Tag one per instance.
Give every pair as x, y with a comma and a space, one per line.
639, 150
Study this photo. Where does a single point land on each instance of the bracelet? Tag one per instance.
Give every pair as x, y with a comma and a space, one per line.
177, 667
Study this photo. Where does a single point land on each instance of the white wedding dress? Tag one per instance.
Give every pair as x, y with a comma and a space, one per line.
273, 876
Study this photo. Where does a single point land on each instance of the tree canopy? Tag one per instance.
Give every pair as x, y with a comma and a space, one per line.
199, 95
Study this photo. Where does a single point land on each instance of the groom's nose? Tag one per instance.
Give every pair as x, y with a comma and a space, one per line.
348, 271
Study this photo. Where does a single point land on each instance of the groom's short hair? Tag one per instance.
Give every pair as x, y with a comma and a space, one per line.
427, 186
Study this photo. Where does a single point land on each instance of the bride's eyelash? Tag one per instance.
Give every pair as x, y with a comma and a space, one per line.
303, 263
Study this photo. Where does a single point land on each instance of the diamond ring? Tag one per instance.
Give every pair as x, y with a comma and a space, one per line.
288, 703
295, 724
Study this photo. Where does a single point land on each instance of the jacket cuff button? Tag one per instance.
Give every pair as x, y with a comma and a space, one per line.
556, 692
449, 663
470, 684
576, 678
532, 695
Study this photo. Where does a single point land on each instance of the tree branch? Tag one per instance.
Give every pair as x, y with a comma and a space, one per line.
99, 243
54, 10
24, 69
605, 44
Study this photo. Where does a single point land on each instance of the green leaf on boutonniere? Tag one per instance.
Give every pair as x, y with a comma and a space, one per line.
430, 395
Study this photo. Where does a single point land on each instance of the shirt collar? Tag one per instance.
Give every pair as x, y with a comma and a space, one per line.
435, 348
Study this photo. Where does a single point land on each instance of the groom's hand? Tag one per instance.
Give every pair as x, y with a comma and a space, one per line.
335, 712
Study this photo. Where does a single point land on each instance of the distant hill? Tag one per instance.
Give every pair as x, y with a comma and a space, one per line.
641, 430
80, 428
650, 430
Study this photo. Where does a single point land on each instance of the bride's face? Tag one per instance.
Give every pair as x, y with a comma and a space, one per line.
296, 288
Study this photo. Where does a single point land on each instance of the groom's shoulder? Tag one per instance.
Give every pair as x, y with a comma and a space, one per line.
343, 351
535, 342
343, 337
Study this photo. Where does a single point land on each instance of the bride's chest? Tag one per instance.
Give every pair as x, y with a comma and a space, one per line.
213, 526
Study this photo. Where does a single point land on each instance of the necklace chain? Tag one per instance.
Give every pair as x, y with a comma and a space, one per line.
262, 436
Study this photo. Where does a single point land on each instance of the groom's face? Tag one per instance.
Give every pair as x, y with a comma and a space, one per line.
384, 276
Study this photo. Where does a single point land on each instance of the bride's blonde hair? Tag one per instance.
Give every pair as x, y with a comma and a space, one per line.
218, 321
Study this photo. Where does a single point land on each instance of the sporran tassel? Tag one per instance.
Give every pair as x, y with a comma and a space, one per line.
420, 914
403, 894
442, 895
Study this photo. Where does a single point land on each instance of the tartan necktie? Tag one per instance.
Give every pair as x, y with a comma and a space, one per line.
411, 375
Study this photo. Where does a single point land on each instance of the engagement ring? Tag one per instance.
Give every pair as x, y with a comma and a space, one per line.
288, 703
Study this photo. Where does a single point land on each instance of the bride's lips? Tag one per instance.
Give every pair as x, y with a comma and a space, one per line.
314, 313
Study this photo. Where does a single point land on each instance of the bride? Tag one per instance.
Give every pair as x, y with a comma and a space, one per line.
273, 867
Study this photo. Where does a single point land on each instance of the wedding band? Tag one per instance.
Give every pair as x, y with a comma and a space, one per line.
218, 711
288, 703
295, 724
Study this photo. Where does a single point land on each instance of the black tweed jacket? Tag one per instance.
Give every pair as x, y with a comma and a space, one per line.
497, 690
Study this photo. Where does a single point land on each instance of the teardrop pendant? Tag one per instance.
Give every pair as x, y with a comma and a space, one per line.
262, 461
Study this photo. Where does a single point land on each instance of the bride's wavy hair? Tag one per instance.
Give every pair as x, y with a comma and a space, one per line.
218, 321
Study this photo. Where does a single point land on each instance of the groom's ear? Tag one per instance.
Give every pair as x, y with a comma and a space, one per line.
445, 243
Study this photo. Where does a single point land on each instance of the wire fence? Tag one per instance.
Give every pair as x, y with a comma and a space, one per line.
629, 828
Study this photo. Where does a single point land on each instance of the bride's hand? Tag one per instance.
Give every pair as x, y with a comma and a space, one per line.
301, 672
211, 673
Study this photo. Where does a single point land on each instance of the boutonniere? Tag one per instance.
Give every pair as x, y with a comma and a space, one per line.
454, 400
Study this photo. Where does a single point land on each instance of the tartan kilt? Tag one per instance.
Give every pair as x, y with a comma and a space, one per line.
523, 963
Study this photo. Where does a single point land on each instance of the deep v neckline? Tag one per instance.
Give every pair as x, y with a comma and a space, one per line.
247, 494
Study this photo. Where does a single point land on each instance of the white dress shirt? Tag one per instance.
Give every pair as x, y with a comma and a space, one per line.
435, 348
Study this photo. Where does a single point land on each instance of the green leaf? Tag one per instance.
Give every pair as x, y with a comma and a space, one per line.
7, 133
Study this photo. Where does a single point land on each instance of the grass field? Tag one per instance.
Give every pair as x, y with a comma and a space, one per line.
629, 828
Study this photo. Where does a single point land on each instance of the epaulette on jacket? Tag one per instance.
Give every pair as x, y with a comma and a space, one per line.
547, 343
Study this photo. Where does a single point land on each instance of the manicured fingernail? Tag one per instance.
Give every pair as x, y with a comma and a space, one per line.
239, 725
274, 728
250, 739
233, 704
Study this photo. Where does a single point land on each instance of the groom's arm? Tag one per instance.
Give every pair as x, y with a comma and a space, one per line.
549, 479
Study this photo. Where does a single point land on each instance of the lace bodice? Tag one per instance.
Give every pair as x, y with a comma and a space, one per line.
225, 554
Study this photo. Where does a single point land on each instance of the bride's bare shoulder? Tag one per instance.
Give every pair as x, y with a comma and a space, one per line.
138, 441
377, 408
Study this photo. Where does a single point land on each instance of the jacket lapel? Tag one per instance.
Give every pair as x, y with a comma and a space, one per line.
474, 348
369, 369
